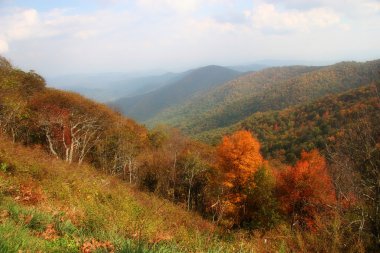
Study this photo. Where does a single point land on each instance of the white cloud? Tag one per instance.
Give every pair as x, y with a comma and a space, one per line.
268, 18
24, 24
19, 24
3, 46
374, 7
173, 34
85, 34
176, 5
352, 8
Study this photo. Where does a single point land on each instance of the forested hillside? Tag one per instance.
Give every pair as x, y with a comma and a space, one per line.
285, 133
194, 82
269, 89
76, 176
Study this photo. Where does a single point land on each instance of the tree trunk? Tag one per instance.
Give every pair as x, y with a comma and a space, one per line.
189, 192
51, 146
130, 170
174, 175
13, 135
125, 171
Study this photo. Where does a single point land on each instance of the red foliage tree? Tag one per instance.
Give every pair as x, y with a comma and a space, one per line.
305, 191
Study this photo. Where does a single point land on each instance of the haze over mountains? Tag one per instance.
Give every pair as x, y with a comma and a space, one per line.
270, 89
105, 87
110, 86
214, 97
194, 82
207, 101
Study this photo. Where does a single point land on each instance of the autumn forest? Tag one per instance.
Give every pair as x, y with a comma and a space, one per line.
277, 160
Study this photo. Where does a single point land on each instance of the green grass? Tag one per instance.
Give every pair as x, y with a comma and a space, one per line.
20, 230
83, 204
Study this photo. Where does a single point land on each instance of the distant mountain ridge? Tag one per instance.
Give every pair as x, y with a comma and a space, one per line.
194, 82
111, 86
270, 89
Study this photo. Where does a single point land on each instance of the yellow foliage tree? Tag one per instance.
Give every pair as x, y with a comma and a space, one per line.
238, 159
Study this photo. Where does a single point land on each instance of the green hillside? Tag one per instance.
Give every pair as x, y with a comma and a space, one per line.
269, 89
285, 133
145, 106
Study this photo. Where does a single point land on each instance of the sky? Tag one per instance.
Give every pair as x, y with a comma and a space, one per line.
93, 36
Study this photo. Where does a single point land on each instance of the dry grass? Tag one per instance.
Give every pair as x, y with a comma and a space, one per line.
49, 205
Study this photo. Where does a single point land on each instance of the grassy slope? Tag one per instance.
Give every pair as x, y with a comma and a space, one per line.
48, 205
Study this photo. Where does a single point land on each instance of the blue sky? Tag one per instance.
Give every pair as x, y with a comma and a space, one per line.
91, 36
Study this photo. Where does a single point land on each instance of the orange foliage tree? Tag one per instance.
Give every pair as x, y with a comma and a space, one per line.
238, 159
305, 191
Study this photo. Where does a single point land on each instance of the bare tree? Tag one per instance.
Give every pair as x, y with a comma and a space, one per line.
355, 160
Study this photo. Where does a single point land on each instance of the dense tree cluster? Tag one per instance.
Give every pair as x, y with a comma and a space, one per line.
284, 134
306, 190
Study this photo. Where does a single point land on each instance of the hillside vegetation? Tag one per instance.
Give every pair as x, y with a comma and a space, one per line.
78, 176
285, 133
194, 82
48, 205
269, 89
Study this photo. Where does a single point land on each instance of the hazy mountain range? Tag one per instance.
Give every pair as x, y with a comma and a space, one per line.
107, 87
192, 83
201, 101
270, 89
